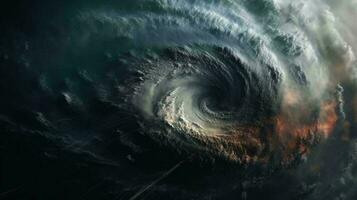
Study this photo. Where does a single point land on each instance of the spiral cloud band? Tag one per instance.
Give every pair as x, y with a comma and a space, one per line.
231, 79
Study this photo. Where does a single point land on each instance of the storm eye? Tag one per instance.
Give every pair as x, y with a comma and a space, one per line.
204, 99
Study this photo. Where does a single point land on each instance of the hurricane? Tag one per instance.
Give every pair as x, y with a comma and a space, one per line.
261, 86
228, 79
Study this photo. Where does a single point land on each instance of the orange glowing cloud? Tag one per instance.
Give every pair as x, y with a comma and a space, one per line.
297, 128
